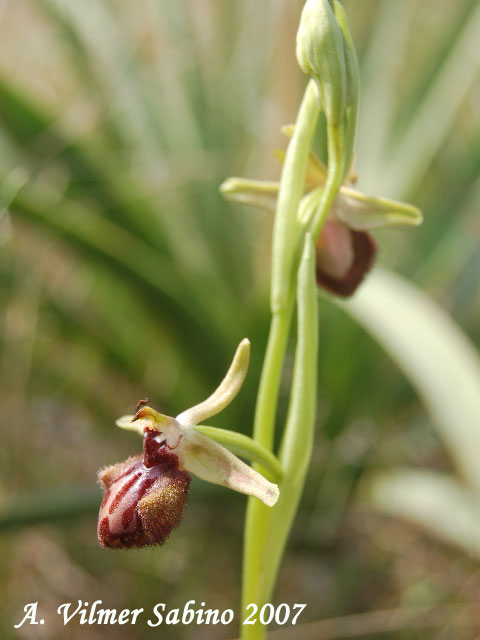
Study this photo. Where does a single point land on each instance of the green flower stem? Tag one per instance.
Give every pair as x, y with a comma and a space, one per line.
334, 178
258, 515
266, 408
321, 48
285, 244
291, 189
245, 447
257, 525
297, 441
267, 529
263, 548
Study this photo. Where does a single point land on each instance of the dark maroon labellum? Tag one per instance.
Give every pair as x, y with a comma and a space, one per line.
343, 258
144, 498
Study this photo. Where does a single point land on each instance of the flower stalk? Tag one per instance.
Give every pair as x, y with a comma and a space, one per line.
284, 247
284, 256
297, 441
306, 253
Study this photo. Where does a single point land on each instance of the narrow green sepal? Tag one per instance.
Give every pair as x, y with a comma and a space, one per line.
257, 193
361, 212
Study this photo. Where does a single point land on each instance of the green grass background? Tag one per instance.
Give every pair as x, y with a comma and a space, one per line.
123, 274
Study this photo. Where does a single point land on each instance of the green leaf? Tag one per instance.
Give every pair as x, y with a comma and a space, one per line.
434, 354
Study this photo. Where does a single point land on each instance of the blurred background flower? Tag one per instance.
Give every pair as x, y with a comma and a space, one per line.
124, 274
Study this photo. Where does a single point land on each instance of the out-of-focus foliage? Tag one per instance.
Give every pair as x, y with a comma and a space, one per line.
444, 368
124, 274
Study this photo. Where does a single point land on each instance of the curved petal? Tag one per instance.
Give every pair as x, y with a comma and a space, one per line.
212, 462
148, 417
125, 422
225, 393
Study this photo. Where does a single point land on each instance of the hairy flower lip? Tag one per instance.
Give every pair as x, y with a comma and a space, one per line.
144, 497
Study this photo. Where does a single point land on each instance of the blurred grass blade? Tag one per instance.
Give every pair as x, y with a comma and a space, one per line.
443, 39
95, 26
83, 227
436, 502
380, 67
435, 115
152, 109
434, 355
167, 290
88, 164
35, 508
10, 187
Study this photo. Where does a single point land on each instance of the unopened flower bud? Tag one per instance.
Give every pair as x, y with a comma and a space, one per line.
351, 61
352, 88
144, 496
321, 54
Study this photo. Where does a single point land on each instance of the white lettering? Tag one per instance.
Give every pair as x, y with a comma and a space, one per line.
66, 607
187, 611
91, 617
212, 613
227, 616
160, 606
30, 613
107, 616
173, 617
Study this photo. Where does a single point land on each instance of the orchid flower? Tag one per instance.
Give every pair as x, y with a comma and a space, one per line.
345, 248
145, 496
